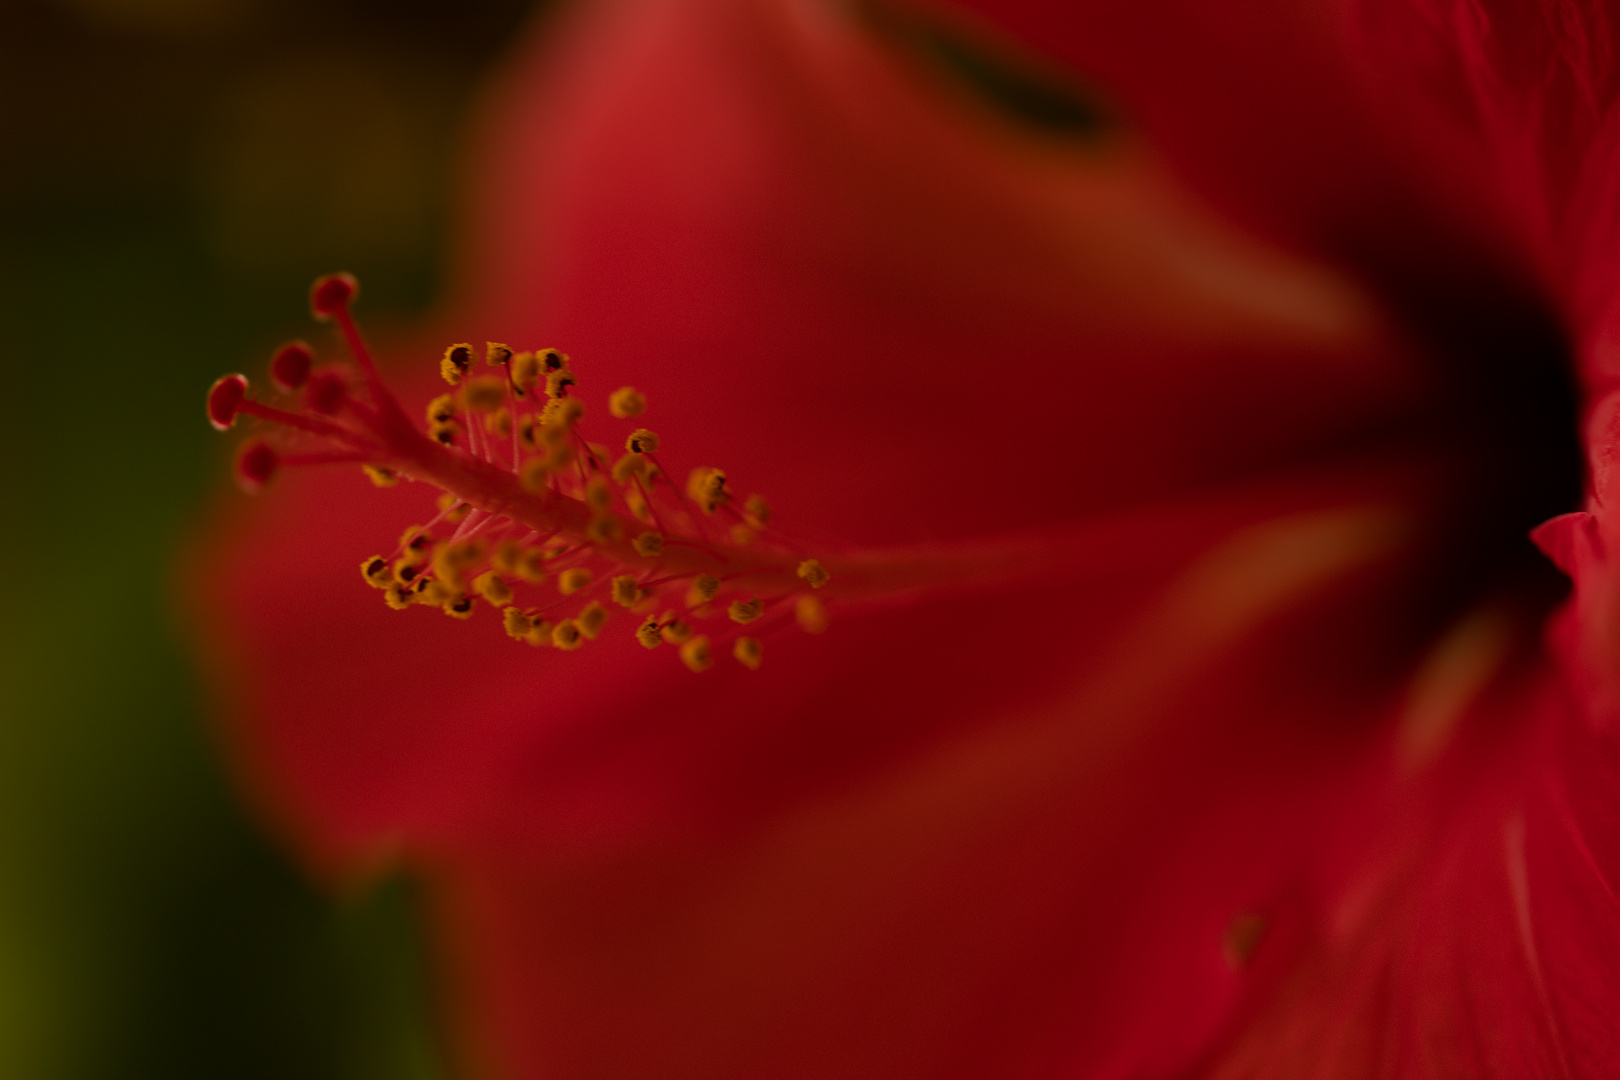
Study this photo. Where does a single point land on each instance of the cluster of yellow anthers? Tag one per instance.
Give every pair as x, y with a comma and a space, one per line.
550, 529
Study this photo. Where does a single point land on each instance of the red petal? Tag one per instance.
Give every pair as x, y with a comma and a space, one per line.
1006, 835
1480, 940
1305, 118
891, 331
891, 845
815, 266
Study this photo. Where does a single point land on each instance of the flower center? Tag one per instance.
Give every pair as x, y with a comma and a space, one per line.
1512, 405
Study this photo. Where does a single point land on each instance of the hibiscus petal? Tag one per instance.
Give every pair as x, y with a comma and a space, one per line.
882, 869
879, 385
1452, 155
1479, 942
1028, 831
813, 265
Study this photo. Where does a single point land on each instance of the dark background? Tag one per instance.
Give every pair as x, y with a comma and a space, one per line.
173, 173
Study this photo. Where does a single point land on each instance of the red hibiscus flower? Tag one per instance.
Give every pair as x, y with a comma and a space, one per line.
1195, 703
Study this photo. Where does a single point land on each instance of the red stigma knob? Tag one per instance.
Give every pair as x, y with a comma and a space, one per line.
224, 398
332, 294
255, 465
289, 367
325, 392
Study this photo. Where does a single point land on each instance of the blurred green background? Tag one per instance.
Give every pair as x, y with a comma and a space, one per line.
173, 173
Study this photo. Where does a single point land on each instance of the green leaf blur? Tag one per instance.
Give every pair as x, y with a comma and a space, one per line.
174, 172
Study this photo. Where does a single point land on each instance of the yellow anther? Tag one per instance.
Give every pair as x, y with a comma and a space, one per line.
628, 467
534, 473
380, 476
441, 417
375, 571
552, 359
553, 434
707, 488
626, 591
441, 410
525, 371
445, 504
757, 510
810, 614
558, 456
749, 652
457, 359
452, 561
591, 620
496, 353
649, 633
627, 403
529, 432
637, 504
642, 441
598, 496
531, 566
558, 382
485, 393
503, 557
490, 586
743, 535
406, 570
649, 545
602, 528
813, 574
540, 630
704, 586
746, 611
566, 636
418, 545
397, 596
516, 624
696, 654
431, 593
571, 581
563, 412
459, 606
674, 631
499, 422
